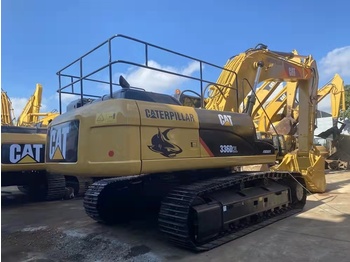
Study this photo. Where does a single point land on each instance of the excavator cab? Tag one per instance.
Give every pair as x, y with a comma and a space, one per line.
185, 99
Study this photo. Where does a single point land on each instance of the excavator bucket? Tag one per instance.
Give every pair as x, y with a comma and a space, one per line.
312, 168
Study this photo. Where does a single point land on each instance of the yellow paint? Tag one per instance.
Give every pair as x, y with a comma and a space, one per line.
58, 154
27, 159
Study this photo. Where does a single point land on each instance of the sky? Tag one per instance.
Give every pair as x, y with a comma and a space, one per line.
40, 37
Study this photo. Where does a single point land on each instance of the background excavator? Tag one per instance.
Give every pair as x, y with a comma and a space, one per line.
31, 115
22, 152
339, 149
147, 150
279, 108
7, 112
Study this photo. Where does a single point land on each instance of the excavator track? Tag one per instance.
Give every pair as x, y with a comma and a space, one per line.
56, 185
116, 200
105, 196
45, 186
175, 212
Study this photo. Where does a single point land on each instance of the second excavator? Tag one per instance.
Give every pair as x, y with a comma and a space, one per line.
22, 152
148, 151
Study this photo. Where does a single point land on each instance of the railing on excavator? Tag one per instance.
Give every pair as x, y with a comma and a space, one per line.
79, 78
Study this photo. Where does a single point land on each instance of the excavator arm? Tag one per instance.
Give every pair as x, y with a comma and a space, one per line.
244, 72
336, 89
31, 114
262, 94
7, 114
254, 66
267, 116
32, 108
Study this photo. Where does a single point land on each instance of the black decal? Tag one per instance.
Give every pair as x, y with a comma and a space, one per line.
162, 145
169, 115
161, 114
166, 113
153, 114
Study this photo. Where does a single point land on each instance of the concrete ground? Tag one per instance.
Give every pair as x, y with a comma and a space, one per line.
60, 231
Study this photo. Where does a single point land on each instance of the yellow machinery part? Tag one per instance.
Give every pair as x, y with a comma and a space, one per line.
312, 167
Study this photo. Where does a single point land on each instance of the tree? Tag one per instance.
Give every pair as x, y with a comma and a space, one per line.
346, 113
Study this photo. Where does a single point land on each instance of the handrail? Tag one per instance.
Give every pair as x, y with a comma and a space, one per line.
79, 78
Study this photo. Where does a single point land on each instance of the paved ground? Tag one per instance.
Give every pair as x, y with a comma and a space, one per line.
60, 231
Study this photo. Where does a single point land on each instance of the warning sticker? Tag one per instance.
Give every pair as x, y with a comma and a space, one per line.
106, 118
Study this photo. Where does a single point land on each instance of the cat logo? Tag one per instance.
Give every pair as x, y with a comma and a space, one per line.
26, 153
58, 142
225, 120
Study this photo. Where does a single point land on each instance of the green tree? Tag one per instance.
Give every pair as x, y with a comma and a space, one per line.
346, 113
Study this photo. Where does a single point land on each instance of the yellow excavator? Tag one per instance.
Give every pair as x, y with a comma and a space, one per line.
334, 88
31, 114
22, 153
148, 151
285, 106
7, 113
339, 155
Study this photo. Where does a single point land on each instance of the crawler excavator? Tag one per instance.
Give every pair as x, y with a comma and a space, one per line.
339, 157
147, 150
22, 155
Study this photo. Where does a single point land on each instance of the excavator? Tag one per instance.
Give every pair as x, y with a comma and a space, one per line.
22, 153
147, 151
7, 114
31, 114
339, 157
334, 88
268, 118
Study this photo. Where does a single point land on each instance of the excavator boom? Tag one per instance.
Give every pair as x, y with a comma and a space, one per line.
28, 116
7, 114
337, 92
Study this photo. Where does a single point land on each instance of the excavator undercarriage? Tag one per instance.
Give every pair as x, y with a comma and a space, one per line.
205, 211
